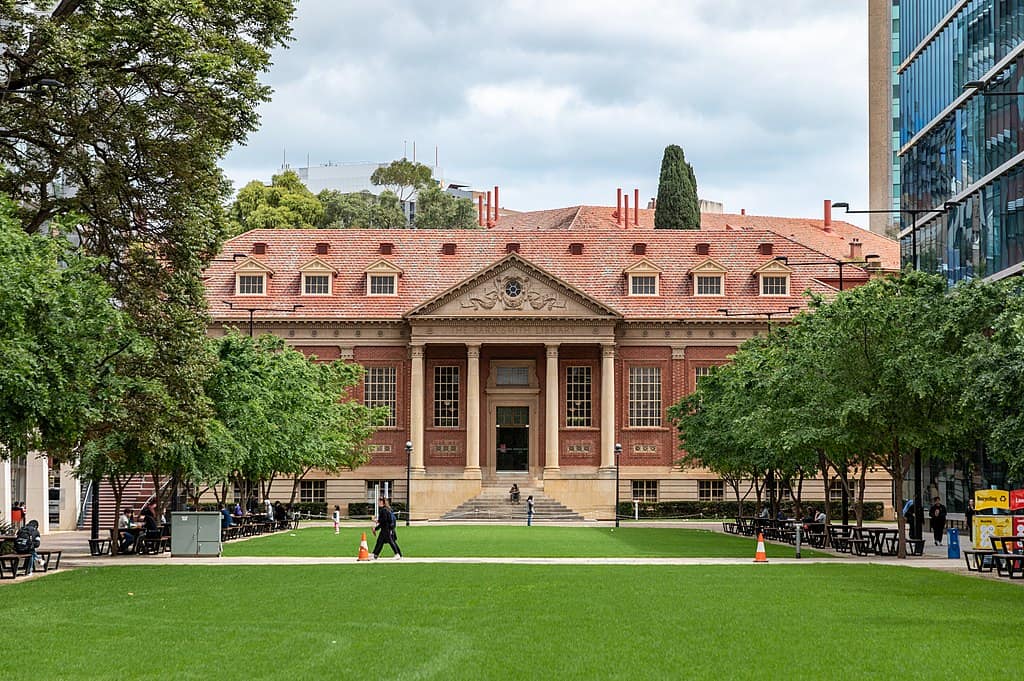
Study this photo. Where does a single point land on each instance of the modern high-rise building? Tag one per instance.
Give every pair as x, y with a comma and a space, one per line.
884, 113
956, 103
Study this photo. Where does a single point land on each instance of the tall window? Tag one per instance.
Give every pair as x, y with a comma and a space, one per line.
709, 285
835, 490
250, 284
643, 285
577, 397
313, 491
446, 397
644, 396
710, 490
379, 488
379, 390
645, 490
316, 284
382, 284
774, 286
701, 372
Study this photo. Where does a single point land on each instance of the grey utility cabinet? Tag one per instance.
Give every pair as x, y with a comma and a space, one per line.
195, 533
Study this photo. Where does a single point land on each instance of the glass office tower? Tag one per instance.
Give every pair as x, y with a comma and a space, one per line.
962, 144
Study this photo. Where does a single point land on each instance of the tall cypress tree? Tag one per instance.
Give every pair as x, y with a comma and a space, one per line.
677, 206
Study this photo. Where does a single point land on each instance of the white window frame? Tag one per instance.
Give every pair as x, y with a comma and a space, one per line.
579, 391
634, 280
709, 277
261, 276
453, 376
306, 276
370, 276
380, 389
644, 409
764, 283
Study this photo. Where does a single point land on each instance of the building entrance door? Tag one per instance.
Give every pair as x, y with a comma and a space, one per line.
512, 438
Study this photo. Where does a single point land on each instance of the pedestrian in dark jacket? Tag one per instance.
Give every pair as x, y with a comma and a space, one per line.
937, 518
26, 542
385, 530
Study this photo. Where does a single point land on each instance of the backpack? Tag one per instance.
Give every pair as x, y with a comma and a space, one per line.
24, 542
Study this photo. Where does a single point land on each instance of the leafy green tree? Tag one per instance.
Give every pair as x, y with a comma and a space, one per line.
286, 203
59, 333
361, 210
403, 178
677, 206
436, 209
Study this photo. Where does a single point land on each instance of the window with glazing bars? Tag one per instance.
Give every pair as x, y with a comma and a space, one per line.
710, 490
701, 372
379, 390
709, 286
644, 396
645, 490
643, 285
313, 491
317, 285
446, 397
250, 284
382, 285
577, 397
774, 286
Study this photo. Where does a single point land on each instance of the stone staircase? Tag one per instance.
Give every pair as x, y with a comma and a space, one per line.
493, 505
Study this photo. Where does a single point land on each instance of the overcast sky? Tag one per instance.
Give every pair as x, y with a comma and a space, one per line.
561, 102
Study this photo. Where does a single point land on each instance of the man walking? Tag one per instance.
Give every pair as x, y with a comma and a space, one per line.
937, 518
386, 526
529, 510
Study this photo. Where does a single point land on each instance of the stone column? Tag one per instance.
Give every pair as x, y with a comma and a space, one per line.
416, 388
551, 410
473, 408
70, 497
6, 495
608, 406
37, 490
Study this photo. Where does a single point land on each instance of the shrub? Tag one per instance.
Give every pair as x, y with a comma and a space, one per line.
364, 509
727, 509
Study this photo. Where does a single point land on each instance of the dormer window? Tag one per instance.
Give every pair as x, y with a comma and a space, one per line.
644, 278
251, 277
708, 278
773, 278
317, 278
382, 278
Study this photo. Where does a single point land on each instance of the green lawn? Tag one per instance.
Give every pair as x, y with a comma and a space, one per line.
516, 541
821, 621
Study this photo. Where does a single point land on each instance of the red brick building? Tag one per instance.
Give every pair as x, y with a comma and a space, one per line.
524, 352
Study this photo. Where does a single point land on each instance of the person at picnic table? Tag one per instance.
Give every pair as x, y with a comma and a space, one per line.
819, 517
238, 510
279, 512
513, 493
937, 519
149, 522
226, 519
780, 516
27, 542
125, 524
766, 512
809, 516
270, 509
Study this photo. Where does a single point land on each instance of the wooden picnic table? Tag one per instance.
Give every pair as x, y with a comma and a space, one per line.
1008, 556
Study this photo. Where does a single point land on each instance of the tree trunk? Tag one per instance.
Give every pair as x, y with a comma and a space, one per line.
858, 506
823, 466
118, 486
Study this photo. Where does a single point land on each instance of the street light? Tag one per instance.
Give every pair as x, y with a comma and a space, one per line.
912, 212
870, 259
618, 453
768, 315
253, 310
408, 481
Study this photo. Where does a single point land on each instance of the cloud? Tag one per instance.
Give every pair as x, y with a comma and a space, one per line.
562, 102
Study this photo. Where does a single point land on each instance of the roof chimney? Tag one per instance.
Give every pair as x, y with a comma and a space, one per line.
512, 247
323, 248
625, 205
856, 249
639, 249
828, 213
495, 204
259, 248
703, 248
618, 206
480, 210
743, 211
652, 204
764, 248
576, 248
386, 248
448, 248
636, 207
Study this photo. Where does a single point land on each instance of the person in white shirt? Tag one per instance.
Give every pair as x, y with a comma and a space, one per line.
126, 538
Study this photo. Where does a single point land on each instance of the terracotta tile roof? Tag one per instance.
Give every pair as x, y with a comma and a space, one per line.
833, 240
597, 271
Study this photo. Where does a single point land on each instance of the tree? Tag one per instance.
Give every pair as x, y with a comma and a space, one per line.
59, 333
403, 177
360, 210
677, 206
436, 209
285, 203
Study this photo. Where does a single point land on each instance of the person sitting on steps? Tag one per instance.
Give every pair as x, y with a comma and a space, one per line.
513, 494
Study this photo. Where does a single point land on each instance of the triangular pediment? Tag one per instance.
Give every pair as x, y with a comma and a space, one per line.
708, 266
513, 287
383, 266
317, 265
642, 266
252, 265
773, 267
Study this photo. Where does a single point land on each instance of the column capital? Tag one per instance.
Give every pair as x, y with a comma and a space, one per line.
473, 350
416, 351
346, 352
608, 350
551, 350
678, 353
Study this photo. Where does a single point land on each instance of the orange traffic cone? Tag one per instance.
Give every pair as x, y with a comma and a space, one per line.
364, 550
760, 556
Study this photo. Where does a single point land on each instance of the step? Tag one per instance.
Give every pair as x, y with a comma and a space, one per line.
491, 506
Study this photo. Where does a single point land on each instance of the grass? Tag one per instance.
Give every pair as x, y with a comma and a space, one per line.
433, 621
516, 541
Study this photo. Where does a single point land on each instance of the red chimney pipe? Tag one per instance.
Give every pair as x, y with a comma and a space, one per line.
495, 203
625, 205
480, 210
743, 211
489, 223
618, 205
828, 213
636, 207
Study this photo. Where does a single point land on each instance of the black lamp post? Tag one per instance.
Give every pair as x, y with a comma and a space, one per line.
408, 481
912, 212
618, 453
253, 310
868, 260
